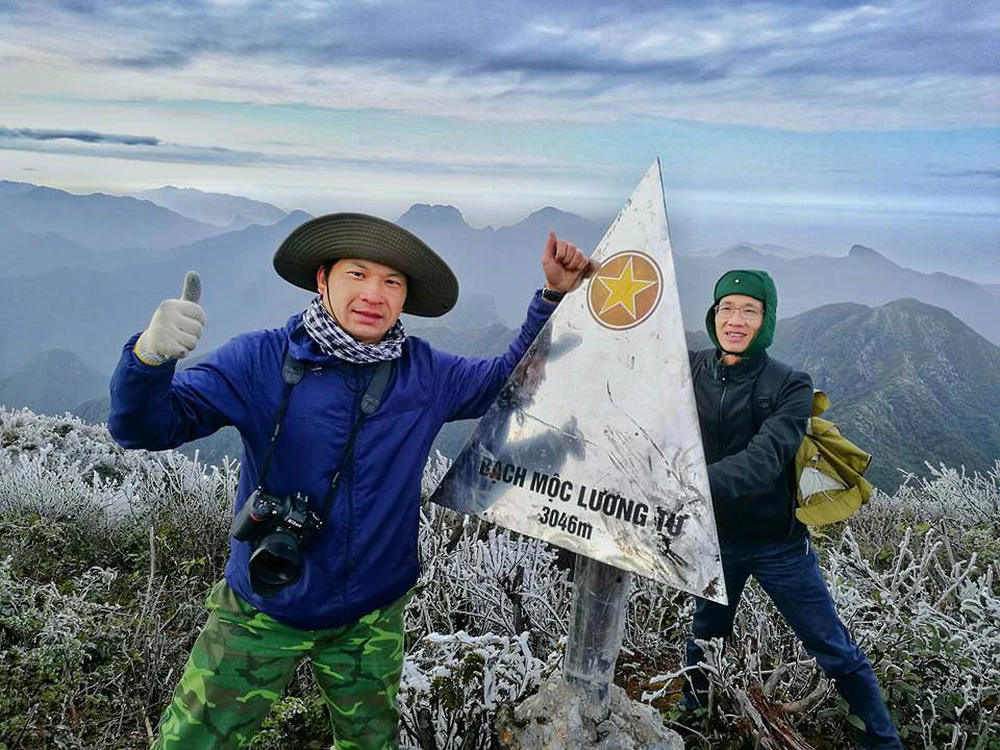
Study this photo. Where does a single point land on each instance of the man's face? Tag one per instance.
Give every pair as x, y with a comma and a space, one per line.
364, 297
737, 320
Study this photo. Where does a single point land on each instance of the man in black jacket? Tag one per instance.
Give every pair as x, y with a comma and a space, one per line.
751, 474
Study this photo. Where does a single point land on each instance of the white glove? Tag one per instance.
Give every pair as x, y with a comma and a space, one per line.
175, 327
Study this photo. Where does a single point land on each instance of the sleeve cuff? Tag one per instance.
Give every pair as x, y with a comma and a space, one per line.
551, 296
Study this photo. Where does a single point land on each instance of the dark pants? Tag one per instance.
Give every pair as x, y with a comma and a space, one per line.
789, 573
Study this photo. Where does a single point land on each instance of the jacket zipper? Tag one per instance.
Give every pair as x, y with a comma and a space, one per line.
722, 411
348, 484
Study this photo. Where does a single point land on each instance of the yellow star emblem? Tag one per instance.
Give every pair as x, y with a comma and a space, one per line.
622, 289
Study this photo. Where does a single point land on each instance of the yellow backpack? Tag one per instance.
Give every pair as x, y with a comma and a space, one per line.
830, 470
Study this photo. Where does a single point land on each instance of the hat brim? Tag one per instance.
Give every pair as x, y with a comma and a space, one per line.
431, 287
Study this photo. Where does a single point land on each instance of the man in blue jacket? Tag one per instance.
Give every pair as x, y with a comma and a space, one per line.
325, 537
750, 447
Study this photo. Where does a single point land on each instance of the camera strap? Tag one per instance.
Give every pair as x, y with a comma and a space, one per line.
292, 371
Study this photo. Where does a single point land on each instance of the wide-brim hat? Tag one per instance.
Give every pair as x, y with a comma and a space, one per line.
431, 287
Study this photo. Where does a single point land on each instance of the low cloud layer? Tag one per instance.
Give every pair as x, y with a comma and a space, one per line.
143, 148
84, 136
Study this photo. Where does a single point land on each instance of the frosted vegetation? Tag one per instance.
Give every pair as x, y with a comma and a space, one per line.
107, 555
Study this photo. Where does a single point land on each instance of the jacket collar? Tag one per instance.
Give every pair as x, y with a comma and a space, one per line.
746, 368
301, 345
304, 348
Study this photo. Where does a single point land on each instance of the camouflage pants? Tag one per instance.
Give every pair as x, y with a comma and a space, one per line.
243, 659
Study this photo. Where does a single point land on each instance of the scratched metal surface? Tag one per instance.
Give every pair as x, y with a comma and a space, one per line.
593, 444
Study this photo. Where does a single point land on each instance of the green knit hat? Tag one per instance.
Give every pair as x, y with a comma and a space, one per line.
756, 284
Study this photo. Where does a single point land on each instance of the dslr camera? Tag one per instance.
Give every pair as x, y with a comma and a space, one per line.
279, 528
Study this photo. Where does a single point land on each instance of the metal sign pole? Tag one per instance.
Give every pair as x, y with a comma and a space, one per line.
596, 628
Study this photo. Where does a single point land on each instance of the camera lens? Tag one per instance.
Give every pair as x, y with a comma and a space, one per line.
276, 562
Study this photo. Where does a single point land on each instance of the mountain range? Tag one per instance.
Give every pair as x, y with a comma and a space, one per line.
863, 276
52, 382
80, 274
109, 294
221, 209
766, 248
99, 222
504, 262
908, 381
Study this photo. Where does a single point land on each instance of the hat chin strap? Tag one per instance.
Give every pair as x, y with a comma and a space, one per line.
325, 295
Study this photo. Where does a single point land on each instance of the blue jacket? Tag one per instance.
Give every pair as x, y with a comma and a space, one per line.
366, 555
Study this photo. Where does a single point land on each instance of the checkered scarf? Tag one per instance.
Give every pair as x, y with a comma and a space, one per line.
334, 340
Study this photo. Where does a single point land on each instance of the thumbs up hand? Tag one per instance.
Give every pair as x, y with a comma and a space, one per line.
175, 327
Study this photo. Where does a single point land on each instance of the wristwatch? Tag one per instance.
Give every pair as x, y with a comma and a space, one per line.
551, 295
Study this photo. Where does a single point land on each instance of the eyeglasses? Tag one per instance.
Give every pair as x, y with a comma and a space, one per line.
749, 314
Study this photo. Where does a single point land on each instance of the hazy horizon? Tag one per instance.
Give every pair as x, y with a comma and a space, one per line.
921, 241
810, 125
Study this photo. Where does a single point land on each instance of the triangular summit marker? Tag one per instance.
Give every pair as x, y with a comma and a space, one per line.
594, 444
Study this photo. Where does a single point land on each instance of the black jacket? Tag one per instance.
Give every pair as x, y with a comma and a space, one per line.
750, 468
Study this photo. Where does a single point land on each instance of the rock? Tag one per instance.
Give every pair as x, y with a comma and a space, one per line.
557, 718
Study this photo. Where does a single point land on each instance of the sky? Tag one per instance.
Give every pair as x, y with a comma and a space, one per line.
813, 125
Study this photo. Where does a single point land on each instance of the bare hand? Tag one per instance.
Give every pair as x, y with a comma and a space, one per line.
563, 263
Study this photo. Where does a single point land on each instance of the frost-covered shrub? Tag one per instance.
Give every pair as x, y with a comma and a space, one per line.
63, 476
156, 523
488, 600
58, 650
110, 554
484, 579
453, 684
929, 620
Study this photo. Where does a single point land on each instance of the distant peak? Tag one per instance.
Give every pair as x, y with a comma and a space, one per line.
437, 212
860, 251
911, 304
551, 212
172, 189
296, 217
53, 357
743, 250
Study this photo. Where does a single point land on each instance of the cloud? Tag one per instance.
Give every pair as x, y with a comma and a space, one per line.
136, 148
990, 174
807, 64
681, 42
86, 136
153, 60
